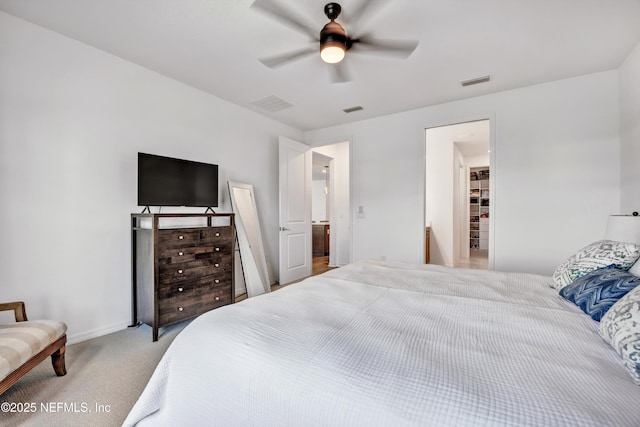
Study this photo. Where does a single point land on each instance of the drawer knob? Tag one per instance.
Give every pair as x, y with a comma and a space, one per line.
217, 249
179, 271
217, 234
180, 253
216, 265
217, 298
216, 281
180, 309
180, 289
180, 237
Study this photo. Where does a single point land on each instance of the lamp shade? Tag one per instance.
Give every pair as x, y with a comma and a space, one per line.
623, 228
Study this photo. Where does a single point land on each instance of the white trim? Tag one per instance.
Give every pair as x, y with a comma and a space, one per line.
95, 333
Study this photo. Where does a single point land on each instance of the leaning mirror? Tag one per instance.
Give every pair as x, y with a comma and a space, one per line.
252, 257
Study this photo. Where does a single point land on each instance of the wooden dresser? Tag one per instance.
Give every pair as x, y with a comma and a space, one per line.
182, 266
320, 239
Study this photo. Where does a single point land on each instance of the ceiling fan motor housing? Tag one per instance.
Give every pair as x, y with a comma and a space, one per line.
332, 10
332, 34
334, 41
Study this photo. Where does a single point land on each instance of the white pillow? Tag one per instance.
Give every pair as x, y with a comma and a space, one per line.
635, 269
594, 256
620, 327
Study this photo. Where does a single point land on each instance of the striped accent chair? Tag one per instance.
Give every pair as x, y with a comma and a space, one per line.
24, 344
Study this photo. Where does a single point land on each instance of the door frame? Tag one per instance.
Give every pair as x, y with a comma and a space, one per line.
340, 218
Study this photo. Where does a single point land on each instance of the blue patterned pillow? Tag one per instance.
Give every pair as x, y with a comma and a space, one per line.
596, 292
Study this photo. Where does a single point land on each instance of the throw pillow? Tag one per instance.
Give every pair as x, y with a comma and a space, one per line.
620, 327
635, 269
596, 255
596, 292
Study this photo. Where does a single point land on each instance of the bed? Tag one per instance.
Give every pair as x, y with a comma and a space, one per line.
392, 344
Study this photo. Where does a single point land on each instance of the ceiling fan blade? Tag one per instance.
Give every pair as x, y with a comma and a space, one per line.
370, 45
338, 73
362, 11
285, 16
284, 58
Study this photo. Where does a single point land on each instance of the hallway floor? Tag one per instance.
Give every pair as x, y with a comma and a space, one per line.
320, 265
477, 259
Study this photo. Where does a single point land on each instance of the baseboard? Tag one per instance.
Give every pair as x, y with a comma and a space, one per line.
84, 336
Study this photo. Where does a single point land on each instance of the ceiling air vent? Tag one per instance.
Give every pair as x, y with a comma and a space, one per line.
477, 80
352, 109
272, 103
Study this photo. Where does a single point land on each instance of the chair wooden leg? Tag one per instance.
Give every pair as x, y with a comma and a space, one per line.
57, 359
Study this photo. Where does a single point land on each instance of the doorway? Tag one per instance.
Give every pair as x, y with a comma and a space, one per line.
320, 212
456, 213
334, 183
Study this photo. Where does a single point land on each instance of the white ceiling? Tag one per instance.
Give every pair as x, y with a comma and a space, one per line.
471, 138
214, 45
320, 164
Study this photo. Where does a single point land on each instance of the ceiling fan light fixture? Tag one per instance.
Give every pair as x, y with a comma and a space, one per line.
333, 43
332, 53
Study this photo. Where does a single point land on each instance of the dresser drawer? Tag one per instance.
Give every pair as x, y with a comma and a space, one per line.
183, 254
215, 266
193, 253
194, 301
223, 247
197, 286
194, 236
178, 238
175, 310
175, 290
212, 234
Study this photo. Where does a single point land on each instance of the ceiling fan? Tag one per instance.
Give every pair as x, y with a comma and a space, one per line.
333, 40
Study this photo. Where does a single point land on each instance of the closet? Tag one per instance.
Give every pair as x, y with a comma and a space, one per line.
479, 202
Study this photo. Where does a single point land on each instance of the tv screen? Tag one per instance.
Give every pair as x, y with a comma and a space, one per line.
165, 181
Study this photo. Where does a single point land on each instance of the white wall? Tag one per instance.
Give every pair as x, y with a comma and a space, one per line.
477, 161
630, 132
460, 204
439, 195
319, 201
72, 119
556, 171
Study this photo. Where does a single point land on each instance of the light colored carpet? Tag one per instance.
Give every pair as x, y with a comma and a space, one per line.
104, 378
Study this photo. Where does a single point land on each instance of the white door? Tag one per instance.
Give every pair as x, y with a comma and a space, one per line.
295, 210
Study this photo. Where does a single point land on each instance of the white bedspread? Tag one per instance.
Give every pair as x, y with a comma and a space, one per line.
382, 344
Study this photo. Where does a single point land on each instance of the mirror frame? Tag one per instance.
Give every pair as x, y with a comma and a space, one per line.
249, 235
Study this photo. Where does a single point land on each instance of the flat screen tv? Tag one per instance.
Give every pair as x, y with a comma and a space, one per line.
165, 181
